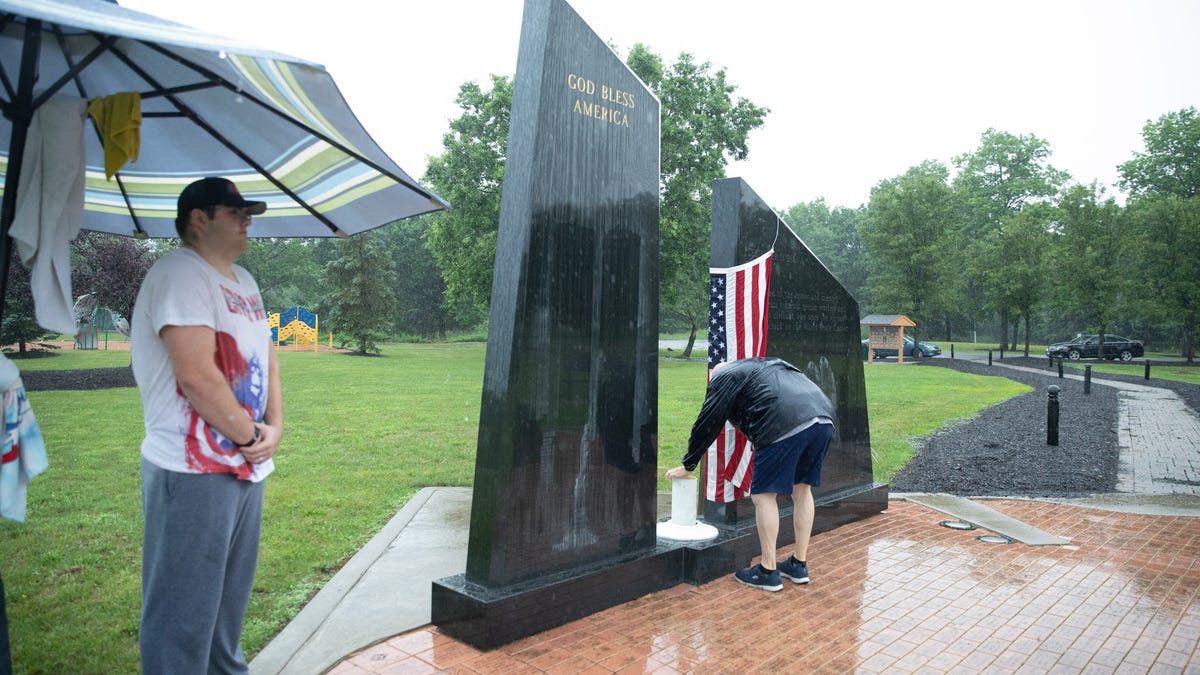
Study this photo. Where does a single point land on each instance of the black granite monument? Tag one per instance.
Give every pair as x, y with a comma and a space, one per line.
813, 323
563, 515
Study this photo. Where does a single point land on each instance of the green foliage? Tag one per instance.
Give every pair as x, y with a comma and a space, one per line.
20, 325
288, 271
1003, 174
421, 309
907, 236
111, 268
361, 296
1001, 177
1167, 234
470, 175
1171, 163
1091, 244
1013, 263
703, 127
833, 236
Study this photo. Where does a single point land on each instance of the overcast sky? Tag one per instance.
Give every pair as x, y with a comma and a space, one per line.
858, 91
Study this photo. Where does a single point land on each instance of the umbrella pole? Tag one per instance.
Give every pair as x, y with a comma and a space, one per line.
20, 113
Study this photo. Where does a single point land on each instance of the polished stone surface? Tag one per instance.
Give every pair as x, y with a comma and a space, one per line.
812, 322
566, 464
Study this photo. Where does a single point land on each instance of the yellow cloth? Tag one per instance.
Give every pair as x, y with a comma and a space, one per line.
119, 118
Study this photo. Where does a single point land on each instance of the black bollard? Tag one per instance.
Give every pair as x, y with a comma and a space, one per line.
951, 350
1052, 416
1087, 379
989, 357
1147, 369
1060, 369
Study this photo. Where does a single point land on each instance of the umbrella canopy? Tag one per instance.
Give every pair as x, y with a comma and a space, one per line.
275, 125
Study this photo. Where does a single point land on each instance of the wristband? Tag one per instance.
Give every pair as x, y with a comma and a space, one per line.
253, 440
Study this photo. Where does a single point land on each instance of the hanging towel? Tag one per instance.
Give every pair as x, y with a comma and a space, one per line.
22, 450
119, 119
50, 207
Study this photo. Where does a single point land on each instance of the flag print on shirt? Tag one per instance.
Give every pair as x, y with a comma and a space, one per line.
207, 450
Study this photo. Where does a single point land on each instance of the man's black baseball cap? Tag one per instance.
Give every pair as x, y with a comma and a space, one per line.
212, 191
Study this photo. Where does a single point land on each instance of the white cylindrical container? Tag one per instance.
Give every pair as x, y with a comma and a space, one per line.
683, 501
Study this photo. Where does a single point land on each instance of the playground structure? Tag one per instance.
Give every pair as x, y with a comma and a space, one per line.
90, 319
296, 323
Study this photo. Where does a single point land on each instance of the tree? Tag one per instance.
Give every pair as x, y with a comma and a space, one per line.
1091, 250
1167, 232
1171, 163
288, 271
111, 268
1164, 184
997, 180
360, 281
470, 175
20, 320
1016, 269
420, 289
703, 127
907, 243
833, 236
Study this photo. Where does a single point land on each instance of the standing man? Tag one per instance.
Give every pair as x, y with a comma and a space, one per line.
789, 421
207, 371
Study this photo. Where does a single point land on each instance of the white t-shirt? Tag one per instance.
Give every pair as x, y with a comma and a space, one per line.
182, 289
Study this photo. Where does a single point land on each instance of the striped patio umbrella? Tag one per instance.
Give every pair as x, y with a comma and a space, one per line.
276, 125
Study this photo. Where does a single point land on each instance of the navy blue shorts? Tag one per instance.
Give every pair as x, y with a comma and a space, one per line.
796, 459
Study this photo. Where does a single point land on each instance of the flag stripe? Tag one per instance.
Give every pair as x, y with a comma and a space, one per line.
737, 330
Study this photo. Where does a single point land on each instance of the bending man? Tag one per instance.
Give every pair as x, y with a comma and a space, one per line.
789, 421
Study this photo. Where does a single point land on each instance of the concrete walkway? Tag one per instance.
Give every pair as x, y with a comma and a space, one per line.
384, 590
373, 615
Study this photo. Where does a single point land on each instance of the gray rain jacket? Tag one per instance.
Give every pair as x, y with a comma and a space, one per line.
762, 397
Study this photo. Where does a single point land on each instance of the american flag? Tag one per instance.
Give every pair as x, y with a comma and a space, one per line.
737, 329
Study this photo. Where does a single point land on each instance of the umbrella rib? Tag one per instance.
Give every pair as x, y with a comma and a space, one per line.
106, 42
332, 142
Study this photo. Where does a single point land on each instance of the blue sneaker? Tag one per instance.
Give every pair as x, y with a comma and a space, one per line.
757, 577
796, 571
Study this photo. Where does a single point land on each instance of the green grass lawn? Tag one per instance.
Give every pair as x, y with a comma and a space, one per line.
363, 434
1158, 371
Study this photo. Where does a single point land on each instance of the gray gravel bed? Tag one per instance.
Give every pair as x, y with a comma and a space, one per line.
1003, 449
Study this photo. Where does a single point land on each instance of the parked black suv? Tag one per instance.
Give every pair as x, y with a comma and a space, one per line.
1088, 347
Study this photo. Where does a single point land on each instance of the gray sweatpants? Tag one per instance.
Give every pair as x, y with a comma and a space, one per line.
199, 554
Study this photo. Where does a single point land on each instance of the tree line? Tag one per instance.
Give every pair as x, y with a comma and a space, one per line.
1012, 248
1000, 245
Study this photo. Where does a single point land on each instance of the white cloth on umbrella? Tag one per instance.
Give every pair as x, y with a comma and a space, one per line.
49, 209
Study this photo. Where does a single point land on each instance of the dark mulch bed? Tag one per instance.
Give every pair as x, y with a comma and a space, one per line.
91, 378
1003, 450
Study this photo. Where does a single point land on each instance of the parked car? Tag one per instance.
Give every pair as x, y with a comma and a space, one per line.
927, 349
1088, 347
